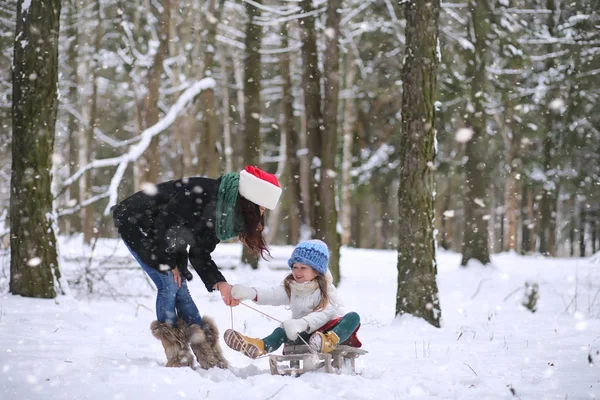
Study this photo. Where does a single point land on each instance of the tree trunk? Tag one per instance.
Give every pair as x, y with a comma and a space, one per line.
88, 135
74, 220
274, 216
527, 222
547, 224
475, 242
208, 159
182, 156
292, 190
511, 207
491, 226
349, 120
311, 85
417, 267
252, 104
227, 149
149, 162
594, 233
238, 145
512, 186
327, 210
34, 261
582, 231
306, 178
572, 228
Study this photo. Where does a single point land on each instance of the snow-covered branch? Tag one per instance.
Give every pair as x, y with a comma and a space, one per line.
278, 21
137, 150
282, 10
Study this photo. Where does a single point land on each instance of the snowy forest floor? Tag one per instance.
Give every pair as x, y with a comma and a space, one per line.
94, 342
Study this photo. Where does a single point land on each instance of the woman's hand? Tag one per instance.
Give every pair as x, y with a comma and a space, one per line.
177, 277
241, 292
225, 289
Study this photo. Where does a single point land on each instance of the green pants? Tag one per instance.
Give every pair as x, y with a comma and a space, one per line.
343, 329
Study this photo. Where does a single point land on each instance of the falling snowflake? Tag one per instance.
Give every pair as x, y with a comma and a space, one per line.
149, 189
34, 262
463, 135
557, 104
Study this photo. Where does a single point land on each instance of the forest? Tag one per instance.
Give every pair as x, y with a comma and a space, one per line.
316, 92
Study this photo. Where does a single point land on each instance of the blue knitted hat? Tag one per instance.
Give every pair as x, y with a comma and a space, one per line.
313, 253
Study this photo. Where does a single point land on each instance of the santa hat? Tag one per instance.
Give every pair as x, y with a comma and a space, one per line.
259, 187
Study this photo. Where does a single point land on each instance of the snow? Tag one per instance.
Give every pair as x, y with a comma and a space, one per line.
25, 6
463, 135
98, 346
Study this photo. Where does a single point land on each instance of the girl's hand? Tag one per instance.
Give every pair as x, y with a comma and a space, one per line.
225, 289
293, 327
176, 277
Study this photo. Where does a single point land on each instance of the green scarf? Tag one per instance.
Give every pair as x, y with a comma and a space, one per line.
229, 222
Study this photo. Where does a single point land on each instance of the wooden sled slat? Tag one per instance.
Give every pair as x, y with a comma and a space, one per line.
301, 360
299, 363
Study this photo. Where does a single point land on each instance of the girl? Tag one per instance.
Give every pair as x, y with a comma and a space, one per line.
183, 220
309, 292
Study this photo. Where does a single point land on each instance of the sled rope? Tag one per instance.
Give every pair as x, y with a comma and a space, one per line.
313, 351
258, 311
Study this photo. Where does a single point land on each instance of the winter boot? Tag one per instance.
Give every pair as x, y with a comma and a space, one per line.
248, 346
204, 341
324, 342
175, 344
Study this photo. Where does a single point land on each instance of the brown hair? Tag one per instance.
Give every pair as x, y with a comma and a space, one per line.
254, 223
321, 281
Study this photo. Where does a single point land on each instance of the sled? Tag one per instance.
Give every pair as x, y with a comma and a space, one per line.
298, 359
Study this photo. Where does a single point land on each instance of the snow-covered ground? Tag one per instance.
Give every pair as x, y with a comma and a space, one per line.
94, 342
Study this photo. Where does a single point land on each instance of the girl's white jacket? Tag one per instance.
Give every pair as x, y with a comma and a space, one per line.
303, 300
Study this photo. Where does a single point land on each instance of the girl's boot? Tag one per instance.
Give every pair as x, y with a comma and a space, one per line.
248, 346
324, 342
175, 345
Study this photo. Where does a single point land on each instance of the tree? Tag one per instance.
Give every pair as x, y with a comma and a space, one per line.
292, 189
252, 104
34, 263
417, 269
475, 236
311, 86
327, 210
149, 163
208, 158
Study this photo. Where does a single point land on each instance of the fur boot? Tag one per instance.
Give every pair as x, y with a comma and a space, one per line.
176, 347
204, 342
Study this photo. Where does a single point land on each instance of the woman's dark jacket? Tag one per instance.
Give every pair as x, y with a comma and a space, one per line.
176, 223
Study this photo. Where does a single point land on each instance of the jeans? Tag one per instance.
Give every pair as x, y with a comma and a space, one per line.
171, 302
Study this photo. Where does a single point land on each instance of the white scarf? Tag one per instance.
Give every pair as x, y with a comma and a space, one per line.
302, 288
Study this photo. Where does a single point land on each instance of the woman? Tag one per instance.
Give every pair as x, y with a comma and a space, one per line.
182, 220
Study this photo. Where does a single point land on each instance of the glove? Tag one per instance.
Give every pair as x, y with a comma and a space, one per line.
241, 292
185, 272
181, 260
294, 326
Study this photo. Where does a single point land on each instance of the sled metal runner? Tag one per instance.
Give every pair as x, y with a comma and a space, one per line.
298, 359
